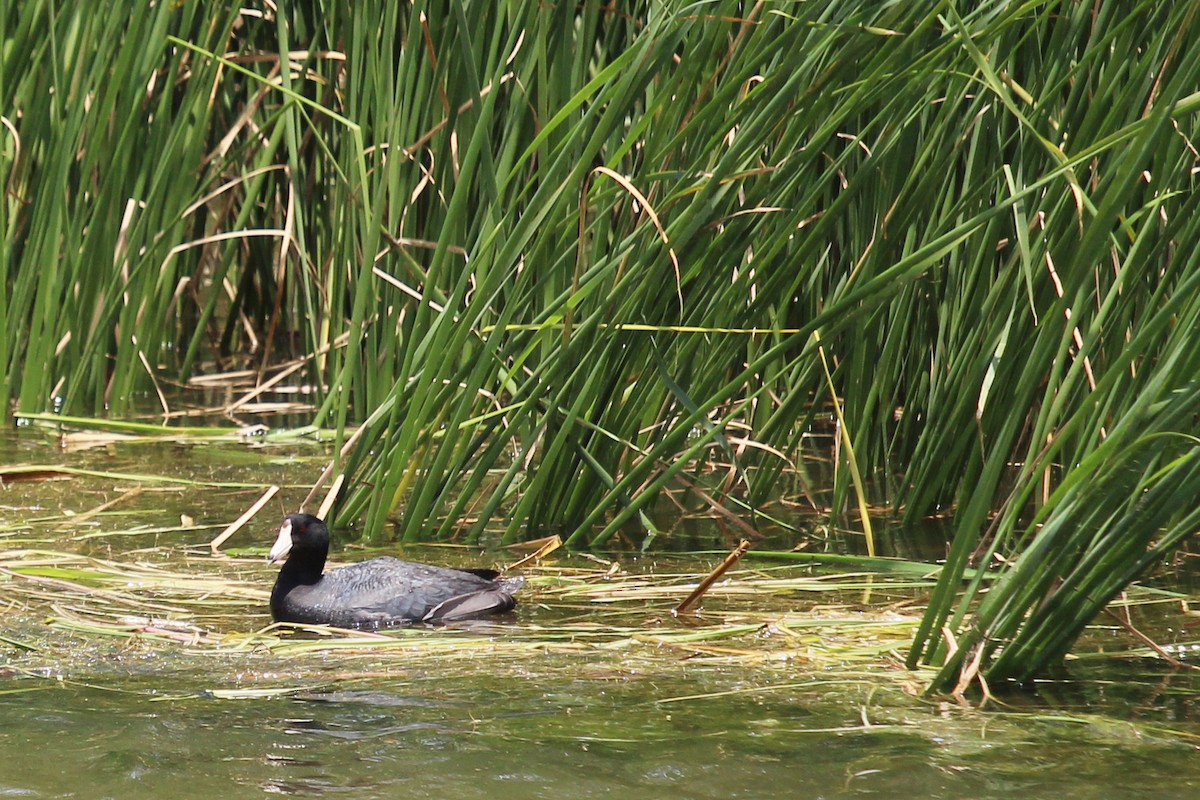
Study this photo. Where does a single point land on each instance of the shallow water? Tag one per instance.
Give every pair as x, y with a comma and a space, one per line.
488, 736
584, 692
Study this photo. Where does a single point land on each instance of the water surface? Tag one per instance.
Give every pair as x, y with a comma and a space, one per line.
787, 684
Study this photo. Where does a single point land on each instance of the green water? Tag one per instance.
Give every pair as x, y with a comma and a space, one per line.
490, 736
604, 697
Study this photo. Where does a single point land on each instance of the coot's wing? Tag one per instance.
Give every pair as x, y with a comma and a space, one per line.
388, 589
495, 599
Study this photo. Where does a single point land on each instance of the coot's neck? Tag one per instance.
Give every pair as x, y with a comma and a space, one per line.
296, 571
302, 567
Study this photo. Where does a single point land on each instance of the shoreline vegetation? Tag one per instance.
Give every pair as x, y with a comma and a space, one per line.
552, 263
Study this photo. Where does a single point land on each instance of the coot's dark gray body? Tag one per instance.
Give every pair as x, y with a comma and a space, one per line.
377, 593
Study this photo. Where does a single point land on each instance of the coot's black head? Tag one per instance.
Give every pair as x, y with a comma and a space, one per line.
302, 537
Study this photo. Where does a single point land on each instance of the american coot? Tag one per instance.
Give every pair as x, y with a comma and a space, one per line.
377, 593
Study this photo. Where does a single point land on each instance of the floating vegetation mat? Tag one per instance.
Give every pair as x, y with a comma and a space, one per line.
71, 616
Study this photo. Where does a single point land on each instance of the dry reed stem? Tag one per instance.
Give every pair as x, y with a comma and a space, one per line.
237, 524
712, 578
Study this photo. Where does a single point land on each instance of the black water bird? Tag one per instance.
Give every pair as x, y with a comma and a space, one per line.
377, 593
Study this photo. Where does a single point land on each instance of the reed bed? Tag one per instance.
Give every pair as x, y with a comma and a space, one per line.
216, 609
191, 623
545, 262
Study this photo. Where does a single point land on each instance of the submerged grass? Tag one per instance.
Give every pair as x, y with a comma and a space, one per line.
61, 607
853, 616
597, 614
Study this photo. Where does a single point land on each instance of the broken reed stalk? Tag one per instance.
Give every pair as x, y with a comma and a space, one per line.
100, 509
546, 546
237, 524
712, 577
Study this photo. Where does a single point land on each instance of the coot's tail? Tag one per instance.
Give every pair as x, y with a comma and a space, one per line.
495, 600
